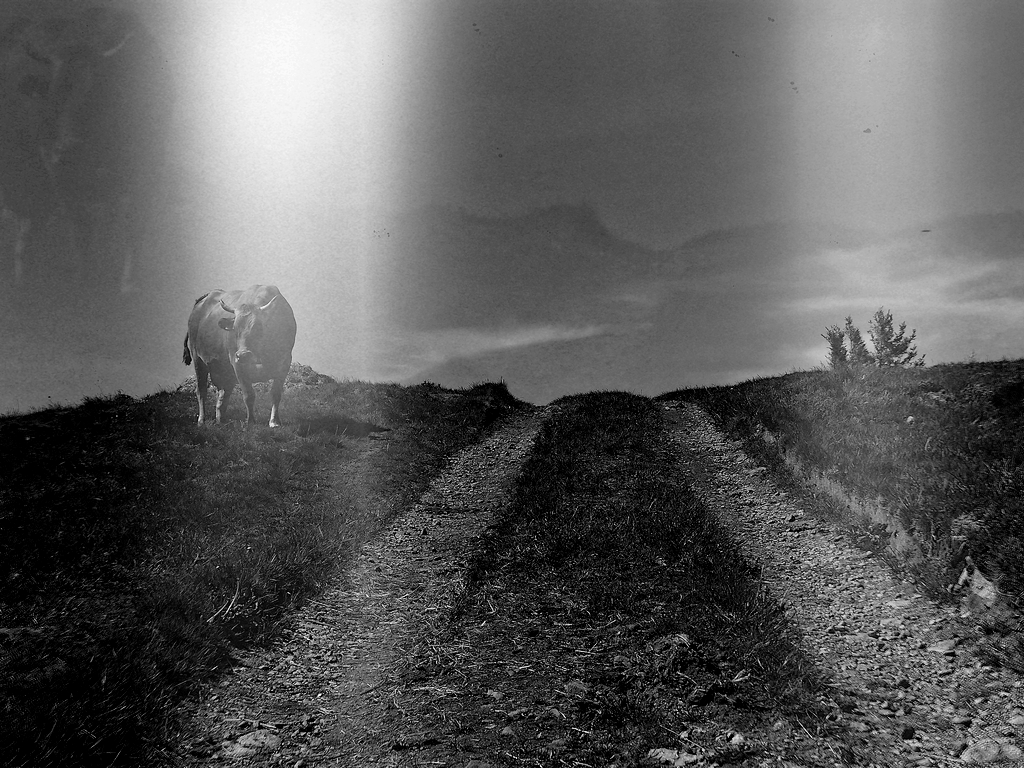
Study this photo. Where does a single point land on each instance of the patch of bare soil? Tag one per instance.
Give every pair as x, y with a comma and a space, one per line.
325, 695
905, 687
370, 674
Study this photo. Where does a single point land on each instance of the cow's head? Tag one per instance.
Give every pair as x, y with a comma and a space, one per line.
246, 323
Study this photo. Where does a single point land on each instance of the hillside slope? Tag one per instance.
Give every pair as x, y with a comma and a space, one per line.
906, 685
414, 575
139, 551
642, 593
929, 462
322, 693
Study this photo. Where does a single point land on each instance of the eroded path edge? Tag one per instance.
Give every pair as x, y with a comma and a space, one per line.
322, 696
904, 689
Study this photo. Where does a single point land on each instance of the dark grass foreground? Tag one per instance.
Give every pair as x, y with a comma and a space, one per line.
942, 448
136, 549
608, 612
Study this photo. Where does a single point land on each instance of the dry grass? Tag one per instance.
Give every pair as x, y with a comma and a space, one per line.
137, 549
951, 473
607, 613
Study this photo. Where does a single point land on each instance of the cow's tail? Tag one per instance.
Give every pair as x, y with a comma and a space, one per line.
187, 357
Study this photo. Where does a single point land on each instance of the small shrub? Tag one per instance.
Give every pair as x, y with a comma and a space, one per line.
892, 347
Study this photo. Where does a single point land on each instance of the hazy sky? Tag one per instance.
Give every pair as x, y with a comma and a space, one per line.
760, 170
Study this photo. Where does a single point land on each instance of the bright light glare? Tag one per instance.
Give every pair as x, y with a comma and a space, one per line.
275, 67
273, 78
294, 127
300, 97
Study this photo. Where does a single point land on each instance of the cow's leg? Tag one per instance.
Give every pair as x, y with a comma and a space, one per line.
223, 395
250, 403
275, 400
202, 381
222, 402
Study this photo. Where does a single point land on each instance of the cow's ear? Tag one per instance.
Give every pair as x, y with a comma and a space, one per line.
226, 323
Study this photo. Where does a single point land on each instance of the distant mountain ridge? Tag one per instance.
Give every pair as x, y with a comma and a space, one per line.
492, 271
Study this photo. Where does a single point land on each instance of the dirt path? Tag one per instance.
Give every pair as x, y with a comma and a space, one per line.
322, 697
905, 689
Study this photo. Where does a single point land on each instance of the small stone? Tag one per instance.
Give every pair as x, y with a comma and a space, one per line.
663, 755
1012, 752
508, 730
900, 603
466, 743
990, 751
554, 745
577, 687
1016, 720
944, 647
253, 742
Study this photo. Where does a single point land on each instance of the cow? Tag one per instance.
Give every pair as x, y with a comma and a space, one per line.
240, 337
85, 102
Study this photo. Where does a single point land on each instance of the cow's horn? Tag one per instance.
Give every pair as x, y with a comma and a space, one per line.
268, 303
225, 307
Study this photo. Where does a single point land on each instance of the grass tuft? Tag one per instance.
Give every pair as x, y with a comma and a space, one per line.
608, 608
940, 449
137, 549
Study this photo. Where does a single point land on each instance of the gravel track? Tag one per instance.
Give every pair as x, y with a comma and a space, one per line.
905, 688
324, 695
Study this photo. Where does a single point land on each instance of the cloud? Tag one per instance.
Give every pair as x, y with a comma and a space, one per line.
407, 355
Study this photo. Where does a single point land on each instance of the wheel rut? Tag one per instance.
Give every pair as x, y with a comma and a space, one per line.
904, 687
324, 695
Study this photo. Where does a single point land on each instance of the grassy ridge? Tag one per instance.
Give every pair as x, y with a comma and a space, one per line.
136, 548
608, 610
954, 473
